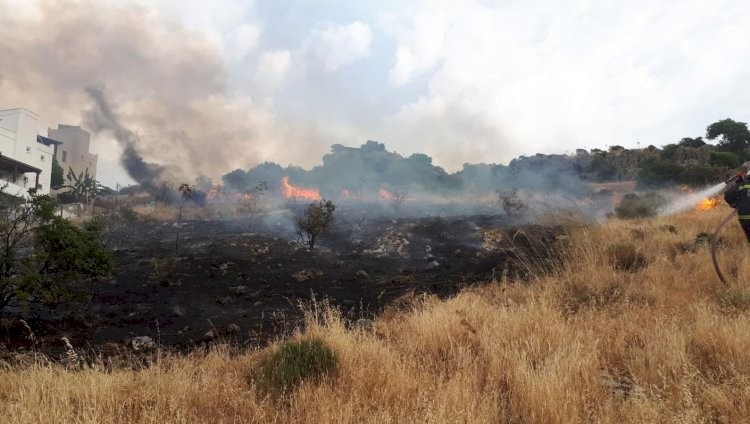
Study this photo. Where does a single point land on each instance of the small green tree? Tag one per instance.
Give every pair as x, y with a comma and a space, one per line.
316, 220
57, 177
62, 254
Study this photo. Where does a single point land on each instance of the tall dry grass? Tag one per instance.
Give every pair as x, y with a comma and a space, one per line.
586, 343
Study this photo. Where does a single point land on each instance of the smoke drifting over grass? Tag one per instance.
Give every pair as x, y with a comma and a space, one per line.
169, 84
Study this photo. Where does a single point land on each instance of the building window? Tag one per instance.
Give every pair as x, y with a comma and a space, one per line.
65, 156
28, 149
41, 158
25, 181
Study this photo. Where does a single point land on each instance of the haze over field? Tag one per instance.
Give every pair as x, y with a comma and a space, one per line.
211, 87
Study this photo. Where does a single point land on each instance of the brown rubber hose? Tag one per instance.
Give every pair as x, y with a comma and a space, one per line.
715, 243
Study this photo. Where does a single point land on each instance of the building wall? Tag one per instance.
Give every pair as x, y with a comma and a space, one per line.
18, 140
74, 152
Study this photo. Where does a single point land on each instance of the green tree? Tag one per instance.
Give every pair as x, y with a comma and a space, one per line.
316, 220
62, 254
734, 135
692, 142
57, 176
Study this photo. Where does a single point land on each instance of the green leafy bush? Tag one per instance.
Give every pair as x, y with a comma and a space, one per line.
294, 362
62, 254
700, 175
725, 159
634, 206
315, 221
625, 257
658, 172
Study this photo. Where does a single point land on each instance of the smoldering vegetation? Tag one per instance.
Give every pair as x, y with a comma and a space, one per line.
414, 186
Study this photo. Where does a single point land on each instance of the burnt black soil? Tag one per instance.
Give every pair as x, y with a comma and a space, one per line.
233, 282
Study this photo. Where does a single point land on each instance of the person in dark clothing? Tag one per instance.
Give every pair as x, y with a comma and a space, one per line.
738, 196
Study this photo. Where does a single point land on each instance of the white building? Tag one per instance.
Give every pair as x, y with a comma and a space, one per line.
25, 157
74, 151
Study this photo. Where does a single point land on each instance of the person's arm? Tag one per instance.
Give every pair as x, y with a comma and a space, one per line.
732, 196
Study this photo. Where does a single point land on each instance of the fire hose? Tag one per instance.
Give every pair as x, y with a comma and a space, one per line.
715, 236
715, 244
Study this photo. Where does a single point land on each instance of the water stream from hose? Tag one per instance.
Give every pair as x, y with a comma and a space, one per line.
690, 200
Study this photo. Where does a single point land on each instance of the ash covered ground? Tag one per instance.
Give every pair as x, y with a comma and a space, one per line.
244, 281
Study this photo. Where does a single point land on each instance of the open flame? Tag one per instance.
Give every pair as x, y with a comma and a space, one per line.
291, 192
708, 204
385, 194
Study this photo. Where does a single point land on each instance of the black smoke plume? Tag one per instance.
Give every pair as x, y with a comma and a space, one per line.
102, 118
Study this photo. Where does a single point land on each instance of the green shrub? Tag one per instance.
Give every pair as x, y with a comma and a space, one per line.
658, 172
725, 159
624, 256
315, 221
634, 206
62, 255
294, 362
697, 175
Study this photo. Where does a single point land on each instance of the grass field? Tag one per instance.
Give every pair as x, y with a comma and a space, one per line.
655, 339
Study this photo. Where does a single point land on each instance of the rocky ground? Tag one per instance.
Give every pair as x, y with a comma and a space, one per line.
230, 281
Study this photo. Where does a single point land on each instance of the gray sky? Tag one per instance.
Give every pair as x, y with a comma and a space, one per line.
213, 86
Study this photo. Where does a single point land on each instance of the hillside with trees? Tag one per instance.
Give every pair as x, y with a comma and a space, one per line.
691, 161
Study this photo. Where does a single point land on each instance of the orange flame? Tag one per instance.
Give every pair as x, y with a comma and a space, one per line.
708, 204
291, 192
385, 194
214, 193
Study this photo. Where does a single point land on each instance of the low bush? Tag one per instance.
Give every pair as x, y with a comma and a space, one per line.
294, 362
625, 257
634, 206
735, 299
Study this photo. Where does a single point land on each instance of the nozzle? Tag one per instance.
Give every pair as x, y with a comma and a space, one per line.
736, 177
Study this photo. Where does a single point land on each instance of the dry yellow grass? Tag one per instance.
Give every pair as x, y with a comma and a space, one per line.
587, 343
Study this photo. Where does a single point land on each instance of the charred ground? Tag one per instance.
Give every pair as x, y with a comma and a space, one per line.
231, 280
